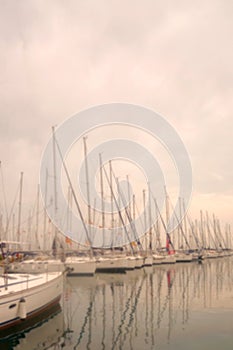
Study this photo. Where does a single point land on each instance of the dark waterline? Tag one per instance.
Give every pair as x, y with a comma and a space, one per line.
182, 306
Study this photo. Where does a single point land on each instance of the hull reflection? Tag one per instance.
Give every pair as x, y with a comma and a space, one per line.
147, 308
157, 307
43, 332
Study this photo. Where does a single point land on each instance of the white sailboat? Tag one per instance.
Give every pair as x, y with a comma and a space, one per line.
36, 266
111, 264
24, 296
80, 265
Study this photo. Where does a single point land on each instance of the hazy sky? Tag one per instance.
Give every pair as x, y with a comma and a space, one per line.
175, 57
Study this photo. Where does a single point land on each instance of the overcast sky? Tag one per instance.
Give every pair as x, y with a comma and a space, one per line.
175, 57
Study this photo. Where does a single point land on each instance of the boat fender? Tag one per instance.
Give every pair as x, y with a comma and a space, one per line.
22, 313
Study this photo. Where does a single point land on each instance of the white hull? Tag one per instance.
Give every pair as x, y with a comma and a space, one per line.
139, 262
213, 255
148, 261
157, 259
24, 296
169, 259
180, 257
77, 266
111, 265
130, 263
47, 334
36, 266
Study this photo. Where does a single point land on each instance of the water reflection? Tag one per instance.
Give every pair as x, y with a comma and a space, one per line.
41, 334
144, 309
160, 307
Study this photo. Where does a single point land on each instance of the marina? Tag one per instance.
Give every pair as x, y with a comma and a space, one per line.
159, 307
116, 196
113, 281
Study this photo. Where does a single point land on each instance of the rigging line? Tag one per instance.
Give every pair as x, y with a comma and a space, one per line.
164, 306
131, 222
32, 216
216, 228
3, 190
182, 231
139, 216
185, 286
118, 209
74, 195
11, 211
88, 315
124, 314
129, 217
134, 308
193, 233
163, 223
220, 233
209, 232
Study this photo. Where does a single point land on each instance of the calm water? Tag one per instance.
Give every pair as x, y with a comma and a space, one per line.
185, 306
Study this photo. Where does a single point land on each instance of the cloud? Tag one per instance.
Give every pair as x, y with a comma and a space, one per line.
59, 57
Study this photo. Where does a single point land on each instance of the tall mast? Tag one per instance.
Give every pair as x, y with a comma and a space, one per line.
37, 214
5, 201
20, 205
117, 203
87, 185
180, 225
13, 227
55, 188
185, 220
128, 190
134, 208
1, 228
145, 218
68, 209
45, 208
54, 172
150, 221
29, 228
203, 240
75, 199
102, 198
110, 180
167, 208
229, 232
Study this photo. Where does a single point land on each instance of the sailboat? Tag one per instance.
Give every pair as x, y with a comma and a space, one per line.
79, 264
25, 296
47, 330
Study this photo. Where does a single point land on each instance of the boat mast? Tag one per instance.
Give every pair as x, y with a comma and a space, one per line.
185, 222
87, 185
5, 205
128, 189
117, 203
110, 183
102, 198
13, 226
203, 238
145, 218
45, 207
29, 228
150, 220
167, 208
20, 205
37, 216
55, 189
75, 200
180, 225
168, 241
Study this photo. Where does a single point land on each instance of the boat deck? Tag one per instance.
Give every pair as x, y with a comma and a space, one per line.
13, 283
